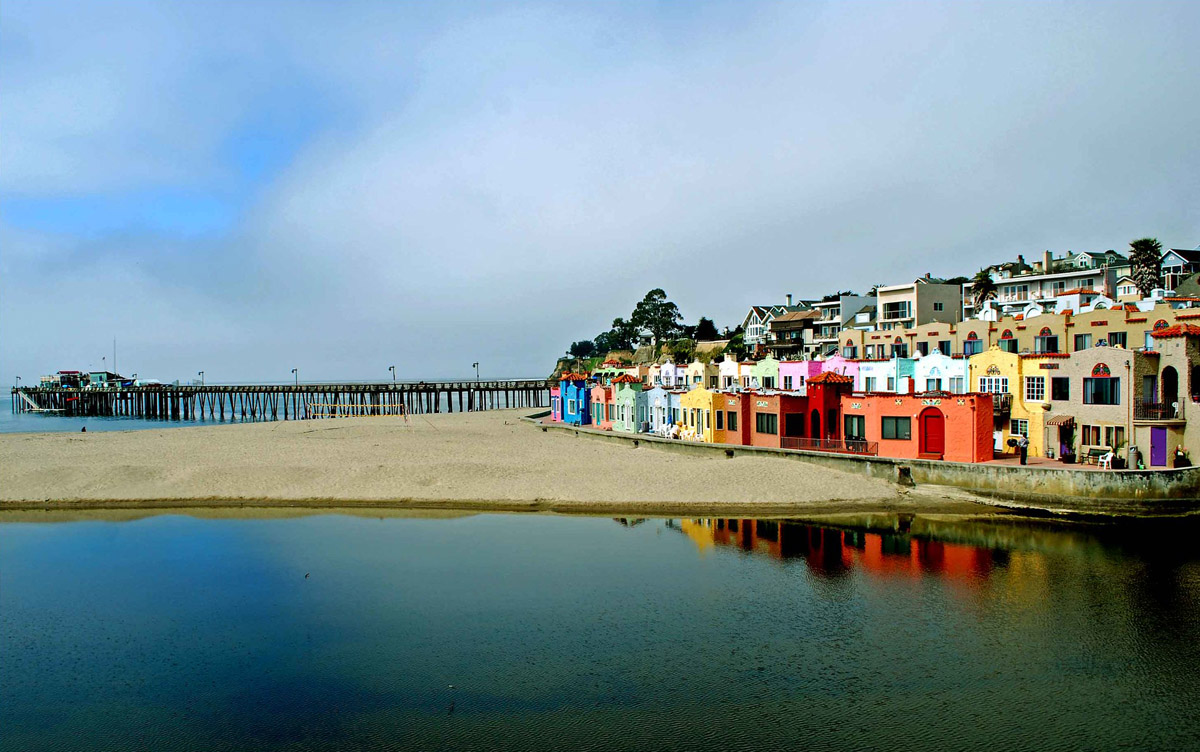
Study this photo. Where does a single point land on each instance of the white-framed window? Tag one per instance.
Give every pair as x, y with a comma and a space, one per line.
787, 382
933, 385
891, 383
957, 385
1019, 426
869, 384
993, 384
571, 405
1035, 388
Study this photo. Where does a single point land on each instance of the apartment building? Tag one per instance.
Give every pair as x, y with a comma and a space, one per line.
926, 300
1018, 284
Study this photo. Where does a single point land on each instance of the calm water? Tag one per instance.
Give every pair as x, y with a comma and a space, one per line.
533, 632
46, 422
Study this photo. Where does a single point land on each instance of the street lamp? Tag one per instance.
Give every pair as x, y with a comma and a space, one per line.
18, 382
297, 374
201, 375
393, 370
476, 366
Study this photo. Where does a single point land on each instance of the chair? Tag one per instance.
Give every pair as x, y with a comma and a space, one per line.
1106, 461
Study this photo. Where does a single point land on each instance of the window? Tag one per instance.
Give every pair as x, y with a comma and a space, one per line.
1082, 341
899, 310
787, 382
1047, 343
958, 384
939, 307
972, 347
1035, 388
1060, 388
856, 428
923, 348
933, 385
696, 379
1058, 287
731, 421
891, 383
869, 383
720, 420
1019, 427
1116, 339
571, 406
993, 384
1101, 391
900, 351
1149, 345
1008, 345
897, 428
1113, 435
768, 382
850, 353
944, 347
766, 423
1089, 435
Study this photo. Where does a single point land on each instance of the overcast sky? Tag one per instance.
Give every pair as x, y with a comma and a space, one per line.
243, 188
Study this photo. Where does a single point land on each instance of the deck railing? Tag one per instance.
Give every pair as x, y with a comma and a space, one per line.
1157, 411
1002, 402
841, 446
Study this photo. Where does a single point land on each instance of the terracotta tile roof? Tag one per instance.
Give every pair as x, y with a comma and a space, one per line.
1194, 315
1179, 330
1045, 355
830, 377
573, 377
1078, 291
626, 379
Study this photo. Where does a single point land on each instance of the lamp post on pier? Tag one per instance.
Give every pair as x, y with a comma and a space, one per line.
296, 373
201, 375
476, 366
393, 370
18, 382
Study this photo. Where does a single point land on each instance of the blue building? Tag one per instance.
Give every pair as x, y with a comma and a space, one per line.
576, 399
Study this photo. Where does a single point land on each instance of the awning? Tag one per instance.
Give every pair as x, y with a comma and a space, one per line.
1061, 420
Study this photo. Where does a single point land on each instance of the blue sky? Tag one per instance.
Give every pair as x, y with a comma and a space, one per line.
248, 187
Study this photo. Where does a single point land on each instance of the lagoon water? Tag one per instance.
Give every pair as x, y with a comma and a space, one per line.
333, 632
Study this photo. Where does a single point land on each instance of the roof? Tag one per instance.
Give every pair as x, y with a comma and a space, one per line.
1192, 256
830, 377
572, 376
1179, 330
1060, 420
626, 379
1189, 286
797, 316
1078, 291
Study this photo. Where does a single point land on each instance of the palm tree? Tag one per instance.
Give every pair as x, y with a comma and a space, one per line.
983, 288
1145, 256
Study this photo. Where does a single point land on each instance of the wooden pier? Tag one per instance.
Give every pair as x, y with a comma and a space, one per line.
283, 401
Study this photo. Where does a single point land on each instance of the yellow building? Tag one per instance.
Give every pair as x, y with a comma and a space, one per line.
1020, 396
700, 374
700, 412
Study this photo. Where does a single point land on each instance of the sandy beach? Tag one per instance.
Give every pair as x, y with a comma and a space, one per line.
484, 460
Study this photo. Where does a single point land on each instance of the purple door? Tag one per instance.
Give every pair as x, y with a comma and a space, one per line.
1158, 447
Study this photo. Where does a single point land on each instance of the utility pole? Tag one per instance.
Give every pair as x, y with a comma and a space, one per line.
476, 365
393, 370
297, 375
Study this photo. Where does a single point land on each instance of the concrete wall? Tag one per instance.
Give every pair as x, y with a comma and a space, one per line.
1063, 490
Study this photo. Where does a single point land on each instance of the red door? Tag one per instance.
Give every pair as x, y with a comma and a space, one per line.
933, 432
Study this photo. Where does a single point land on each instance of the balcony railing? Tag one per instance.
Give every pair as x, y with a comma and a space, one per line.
1157, 411
841, 446
1002, 402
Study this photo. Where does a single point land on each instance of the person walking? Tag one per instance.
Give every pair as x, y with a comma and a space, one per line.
1023, 445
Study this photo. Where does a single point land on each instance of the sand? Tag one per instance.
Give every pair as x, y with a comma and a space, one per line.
484, 460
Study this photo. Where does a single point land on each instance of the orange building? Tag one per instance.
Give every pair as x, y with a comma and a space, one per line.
934, 425
603, 407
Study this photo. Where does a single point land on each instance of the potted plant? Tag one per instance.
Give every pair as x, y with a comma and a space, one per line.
1068, 453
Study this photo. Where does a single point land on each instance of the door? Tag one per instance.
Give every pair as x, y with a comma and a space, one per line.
1158, 447
933, 432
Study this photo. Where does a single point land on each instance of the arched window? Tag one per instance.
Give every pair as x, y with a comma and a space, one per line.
1008, 334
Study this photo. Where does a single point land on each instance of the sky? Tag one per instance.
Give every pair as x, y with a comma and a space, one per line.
244, 188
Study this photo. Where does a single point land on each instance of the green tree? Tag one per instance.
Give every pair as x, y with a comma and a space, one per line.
1145, 256
624, 334
582, 349
657, 314
983, 288
706, 330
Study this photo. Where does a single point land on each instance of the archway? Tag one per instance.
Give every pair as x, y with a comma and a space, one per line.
932, 432
816, 424
1170, 386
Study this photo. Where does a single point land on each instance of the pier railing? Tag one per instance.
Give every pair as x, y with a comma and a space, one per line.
283, 401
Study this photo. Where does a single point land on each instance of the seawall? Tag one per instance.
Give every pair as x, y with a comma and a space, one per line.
1053, 490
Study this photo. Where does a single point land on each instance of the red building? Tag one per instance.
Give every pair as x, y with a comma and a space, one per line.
776, 416
737, 417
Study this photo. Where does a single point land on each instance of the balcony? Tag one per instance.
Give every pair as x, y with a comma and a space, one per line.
1159, 411
1002, 402
839, 446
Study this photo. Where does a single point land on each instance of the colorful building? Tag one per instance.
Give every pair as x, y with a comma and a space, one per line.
576, 399
793, 374
727, 372
663, 408
1019, 407
737, 418
703, 415
936, 372
630, 400
776, 417
556, 407
825, 392
701, 374
602, 407
1089, 396
1169, 392
764, 374
894, 375
956, 428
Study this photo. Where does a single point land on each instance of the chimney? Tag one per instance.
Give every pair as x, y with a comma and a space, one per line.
1046, 258
789, 298
928, 275
1020, 260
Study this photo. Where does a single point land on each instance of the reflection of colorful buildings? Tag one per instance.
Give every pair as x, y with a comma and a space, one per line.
830, 551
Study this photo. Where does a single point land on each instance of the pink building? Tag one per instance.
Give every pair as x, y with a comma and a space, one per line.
794, 374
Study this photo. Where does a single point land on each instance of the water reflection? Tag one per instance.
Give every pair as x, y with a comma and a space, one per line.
832, 552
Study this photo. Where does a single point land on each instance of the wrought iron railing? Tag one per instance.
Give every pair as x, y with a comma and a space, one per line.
1158, 411
1002, 402
843, 446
